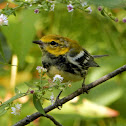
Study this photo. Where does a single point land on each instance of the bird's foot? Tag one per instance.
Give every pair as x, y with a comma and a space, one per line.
84, 88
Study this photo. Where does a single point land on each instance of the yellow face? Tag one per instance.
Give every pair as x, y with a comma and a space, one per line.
57, 45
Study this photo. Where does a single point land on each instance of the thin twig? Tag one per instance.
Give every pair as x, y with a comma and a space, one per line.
36, 115
52, 119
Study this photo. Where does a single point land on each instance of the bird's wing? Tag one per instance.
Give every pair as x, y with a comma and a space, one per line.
83, 59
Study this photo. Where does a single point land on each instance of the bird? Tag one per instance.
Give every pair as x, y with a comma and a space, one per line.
64, 56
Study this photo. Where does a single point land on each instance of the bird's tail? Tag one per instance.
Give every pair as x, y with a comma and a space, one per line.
99, 56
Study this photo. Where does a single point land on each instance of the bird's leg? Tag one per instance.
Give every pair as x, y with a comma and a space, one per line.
57, 103
84, 86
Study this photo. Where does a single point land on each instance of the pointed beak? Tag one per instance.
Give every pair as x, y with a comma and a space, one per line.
38, 42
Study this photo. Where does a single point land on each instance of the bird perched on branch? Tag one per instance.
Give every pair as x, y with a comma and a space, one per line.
65, 57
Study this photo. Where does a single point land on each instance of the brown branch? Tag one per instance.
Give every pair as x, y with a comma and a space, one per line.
52, 119
34, 116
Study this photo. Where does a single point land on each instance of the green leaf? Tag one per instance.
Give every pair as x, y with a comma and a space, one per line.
3, 112
31, 85
12, 99
17, 91
5, 105
37, 104
21, 33
103, 13
3, 109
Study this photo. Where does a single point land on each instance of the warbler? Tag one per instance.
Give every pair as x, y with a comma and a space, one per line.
63, 56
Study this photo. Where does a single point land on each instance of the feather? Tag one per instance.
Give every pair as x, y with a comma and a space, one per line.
99, 56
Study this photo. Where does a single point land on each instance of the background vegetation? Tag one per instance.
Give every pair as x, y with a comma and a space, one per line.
96, 33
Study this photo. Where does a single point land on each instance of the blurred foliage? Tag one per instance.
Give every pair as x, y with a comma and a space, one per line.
108, 3
19, 38
96, 33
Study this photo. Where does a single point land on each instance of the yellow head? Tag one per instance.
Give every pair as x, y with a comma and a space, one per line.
57, 45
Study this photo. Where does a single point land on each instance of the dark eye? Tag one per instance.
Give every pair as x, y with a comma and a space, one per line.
53, 43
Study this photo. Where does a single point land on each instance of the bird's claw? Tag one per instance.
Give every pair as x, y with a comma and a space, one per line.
84, 88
